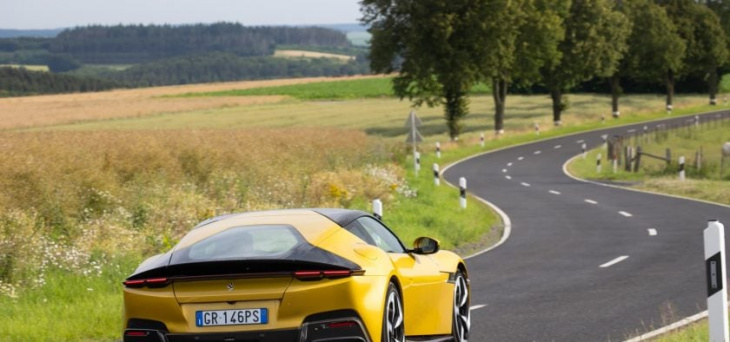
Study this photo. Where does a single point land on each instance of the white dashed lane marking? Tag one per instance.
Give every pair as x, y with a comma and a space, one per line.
614, 261
525, 184
509, 164
591, 201
558, 146
520, 158
625, 214
555, 192
504, 170
652, 232
580, 141
508, 177
538, 152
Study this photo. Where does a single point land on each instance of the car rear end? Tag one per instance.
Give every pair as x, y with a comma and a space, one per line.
261, 282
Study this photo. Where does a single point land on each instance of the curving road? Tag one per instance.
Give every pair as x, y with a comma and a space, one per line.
584, 262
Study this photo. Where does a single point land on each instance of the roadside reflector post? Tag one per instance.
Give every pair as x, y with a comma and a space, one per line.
669, 109
417, 161
436, 175
681, 168
378, 209
715, 269
481, 139
583, 148
438, 150
462, 192
598, 163
697, 119
537, 127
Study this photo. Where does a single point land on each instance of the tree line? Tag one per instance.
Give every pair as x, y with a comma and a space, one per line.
220, 67
203, 68
131, 44
442, 48
19, 81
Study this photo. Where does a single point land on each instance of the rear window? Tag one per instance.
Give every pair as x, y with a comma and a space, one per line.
247, 242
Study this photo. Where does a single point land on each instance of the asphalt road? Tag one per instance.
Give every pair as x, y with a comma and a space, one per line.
547, 283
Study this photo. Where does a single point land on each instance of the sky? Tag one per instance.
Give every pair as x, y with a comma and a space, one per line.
50, 14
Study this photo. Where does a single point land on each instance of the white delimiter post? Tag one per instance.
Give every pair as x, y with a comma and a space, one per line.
583, 147
715, 269
417, 161
438, 150
462, 192
481, 139
436, 176
681, 168
598, 163
378, 209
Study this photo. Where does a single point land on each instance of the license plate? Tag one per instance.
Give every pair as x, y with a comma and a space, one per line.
231, 317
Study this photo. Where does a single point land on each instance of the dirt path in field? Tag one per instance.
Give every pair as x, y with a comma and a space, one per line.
45, 110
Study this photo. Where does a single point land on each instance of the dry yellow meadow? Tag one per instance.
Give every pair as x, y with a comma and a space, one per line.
47, 110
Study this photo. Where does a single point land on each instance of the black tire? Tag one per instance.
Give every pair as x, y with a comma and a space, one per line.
393, 317
461, 322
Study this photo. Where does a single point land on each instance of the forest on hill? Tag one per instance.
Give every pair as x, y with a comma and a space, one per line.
150, 55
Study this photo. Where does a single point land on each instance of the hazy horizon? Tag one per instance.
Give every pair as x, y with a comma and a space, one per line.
53, 14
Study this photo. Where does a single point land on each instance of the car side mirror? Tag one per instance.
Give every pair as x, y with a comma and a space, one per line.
425, 245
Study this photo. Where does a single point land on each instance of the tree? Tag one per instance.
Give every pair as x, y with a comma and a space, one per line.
655, 49
431, 43
523, 35
705, 39
62, 63
595, 40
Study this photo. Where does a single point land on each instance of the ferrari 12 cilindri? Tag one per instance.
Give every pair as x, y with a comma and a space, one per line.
298, 275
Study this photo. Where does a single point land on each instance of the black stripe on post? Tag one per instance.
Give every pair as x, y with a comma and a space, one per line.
598, 162
435, 174
681, 167
714, 268
462, 192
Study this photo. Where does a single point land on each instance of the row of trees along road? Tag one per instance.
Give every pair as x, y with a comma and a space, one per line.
441, 48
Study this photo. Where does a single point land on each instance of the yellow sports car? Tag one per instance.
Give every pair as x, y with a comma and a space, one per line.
298, 275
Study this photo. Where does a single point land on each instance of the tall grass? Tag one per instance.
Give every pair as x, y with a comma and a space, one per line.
82, 209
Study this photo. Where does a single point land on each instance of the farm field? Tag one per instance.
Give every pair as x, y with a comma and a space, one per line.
34, 111
29, 67
310, 54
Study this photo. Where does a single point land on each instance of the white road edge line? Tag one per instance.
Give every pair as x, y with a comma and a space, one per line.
590, 201
614, 261
476, 307
625, 213
525, 184
555, 192
652, 232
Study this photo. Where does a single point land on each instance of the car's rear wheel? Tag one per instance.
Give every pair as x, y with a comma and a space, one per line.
393, 319
462, 315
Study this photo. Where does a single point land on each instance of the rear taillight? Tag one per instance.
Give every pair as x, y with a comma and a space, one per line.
136, 333
314, 275
152, 282
344, 324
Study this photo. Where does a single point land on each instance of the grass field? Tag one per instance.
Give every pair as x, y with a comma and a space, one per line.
310, 54
29, 67
706, 183
35, 111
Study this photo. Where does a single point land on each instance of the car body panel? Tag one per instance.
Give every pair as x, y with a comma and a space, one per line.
424, 281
